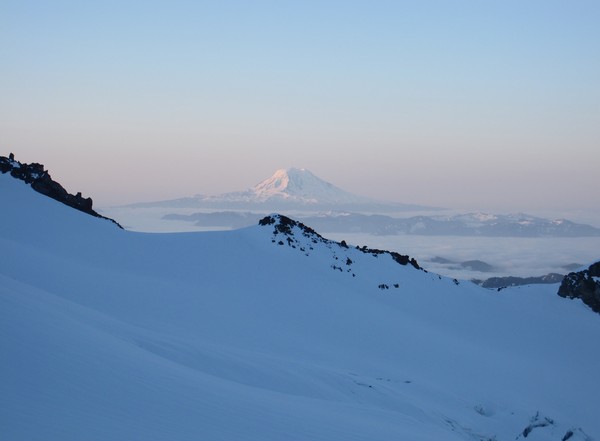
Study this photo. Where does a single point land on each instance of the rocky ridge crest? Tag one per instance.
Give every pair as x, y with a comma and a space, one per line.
293, 234
40, 180
584, 285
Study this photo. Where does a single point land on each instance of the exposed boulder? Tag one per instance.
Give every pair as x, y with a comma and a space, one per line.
40, 180
584, 285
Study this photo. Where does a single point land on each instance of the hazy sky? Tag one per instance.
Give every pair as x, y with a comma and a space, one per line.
478, 104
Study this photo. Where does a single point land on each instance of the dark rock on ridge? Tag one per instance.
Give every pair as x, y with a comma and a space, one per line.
40, 180
584, 285
284, 225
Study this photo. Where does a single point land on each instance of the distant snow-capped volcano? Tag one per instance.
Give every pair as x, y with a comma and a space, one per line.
288, 189
300, 185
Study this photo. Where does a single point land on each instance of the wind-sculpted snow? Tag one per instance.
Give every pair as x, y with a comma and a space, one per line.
107, 334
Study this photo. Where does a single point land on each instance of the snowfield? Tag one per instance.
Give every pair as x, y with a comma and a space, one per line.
271, 333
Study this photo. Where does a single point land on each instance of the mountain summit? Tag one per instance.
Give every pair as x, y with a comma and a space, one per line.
301, 185
288, 189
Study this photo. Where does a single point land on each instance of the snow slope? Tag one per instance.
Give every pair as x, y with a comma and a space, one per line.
270, 333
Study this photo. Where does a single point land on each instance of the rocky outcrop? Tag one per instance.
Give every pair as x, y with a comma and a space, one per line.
283, 225
40, 180
584, 285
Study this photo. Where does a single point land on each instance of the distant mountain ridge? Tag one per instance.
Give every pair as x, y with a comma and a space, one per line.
470, 224
500, 283
328, 208
287, 189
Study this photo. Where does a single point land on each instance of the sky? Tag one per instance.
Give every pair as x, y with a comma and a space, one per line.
464, 104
